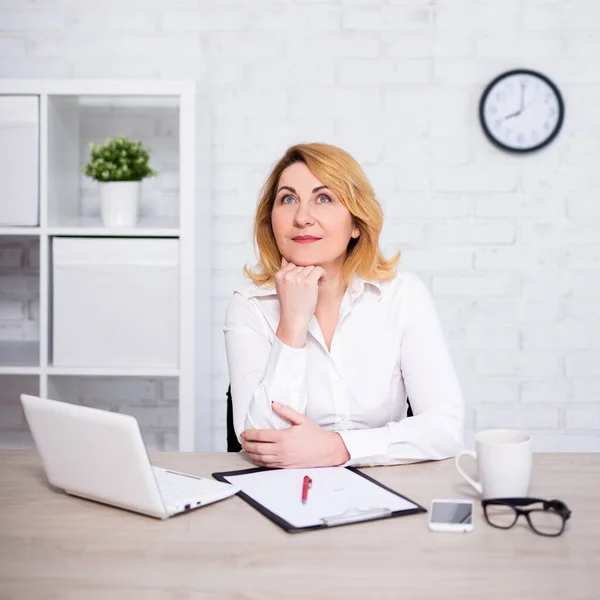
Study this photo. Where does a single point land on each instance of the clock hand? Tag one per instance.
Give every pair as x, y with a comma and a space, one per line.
515, 114
522, 95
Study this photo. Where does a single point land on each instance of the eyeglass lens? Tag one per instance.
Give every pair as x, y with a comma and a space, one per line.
546, 522
501, 516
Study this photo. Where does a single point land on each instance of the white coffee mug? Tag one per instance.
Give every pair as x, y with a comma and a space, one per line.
504, 458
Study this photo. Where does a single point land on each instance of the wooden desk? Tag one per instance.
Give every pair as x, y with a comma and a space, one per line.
56, 546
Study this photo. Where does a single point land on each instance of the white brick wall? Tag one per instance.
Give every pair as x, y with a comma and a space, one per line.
509, 245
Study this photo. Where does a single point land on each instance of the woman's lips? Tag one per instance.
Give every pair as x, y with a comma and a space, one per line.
305, 239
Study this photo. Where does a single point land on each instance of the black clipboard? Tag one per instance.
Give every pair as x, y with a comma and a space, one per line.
347, 518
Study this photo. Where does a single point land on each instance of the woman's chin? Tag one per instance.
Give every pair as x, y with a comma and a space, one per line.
305, 263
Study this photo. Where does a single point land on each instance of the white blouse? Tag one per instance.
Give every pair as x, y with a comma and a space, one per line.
388, 344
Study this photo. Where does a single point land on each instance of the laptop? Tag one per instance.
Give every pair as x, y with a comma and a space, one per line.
100, 455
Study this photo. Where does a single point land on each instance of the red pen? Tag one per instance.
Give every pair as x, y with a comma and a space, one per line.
306, 484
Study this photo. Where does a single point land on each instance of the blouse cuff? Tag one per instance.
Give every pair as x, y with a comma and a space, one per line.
364, 443
286, 366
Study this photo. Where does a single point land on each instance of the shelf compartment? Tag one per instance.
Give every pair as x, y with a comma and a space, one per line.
14, 431
19, 357
75, 121
19, 160
153, 401
20, 302
105, 293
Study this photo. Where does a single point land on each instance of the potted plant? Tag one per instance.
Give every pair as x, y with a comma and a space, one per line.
119, 166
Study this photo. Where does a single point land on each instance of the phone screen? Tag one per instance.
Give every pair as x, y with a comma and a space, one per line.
452, 512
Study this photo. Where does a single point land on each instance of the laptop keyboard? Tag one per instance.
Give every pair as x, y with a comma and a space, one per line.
176, 488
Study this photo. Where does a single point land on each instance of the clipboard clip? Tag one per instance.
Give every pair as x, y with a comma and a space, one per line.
354, 515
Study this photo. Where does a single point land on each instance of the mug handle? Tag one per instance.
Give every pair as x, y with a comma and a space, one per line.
474, 483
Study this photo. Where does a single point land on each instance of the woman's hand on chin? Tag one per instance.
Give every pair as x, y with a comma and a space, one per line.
297, 291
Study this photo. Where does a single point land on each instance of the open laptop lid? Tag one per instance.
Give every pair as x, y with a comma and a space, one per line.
94, 453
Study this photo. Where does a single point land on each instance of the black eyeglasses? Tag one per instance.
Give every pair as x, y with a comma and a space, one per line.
549, 518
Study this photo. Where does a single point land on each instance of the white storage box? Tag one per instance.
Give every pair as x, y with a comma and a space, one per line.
19, 160
115, 302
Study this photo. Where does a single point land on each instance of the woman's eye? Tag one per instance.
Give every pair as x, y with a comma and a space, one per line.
287, 199
323, 199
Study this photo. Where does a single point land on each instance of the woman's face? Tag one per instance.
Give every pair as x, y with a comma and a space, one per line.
310, 224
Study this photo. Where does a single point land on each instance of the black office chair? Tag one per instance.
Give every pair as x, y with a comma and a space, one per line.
232, 442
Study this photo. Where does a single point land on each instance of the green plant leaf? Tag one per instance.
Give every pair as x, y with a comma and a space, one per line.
118, 159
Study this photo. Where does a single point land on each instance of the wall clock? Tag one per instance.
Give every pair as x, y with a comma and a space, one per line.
521, 111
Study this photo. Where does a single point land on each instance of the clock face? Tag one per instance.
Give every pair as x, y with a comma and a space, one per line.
521, 111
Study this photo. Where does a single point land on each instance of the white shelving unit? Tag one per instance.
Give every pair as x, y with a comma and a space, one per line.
60, 214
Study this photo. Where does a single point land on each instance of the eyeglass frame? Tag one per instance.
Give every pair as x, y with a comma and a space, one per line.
558, 506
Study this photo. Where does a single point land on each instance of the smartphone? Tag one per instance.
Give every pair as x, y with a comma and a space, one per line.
451, 515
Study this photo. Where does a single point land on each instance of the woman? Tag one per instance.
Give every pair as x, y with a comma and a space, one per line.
327, 343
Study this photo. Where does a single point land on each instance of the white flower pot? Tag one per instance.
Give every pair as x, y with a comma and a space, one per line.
119, 203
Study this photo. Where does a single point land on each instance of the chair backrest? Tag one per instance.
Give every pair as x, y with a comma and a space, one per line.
232, 442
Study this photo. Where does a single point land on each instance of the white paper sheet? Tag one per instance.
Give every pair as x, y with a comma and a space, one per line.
334, 491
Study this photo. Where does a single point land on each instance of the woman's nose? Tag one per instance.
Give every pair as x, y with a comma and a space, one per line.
303, 215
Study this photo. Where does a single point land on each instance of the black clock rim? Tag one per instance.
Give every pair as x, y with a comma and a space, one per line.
549, 82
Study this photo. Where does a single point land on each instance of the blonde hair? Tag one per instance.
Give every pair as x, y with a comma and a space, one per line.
342, 174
